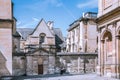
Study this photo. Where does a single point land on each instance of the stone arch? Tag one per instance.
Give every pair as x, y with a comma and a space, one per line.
107, 46
105, 32
106, 51
108, 35
118, 30
107, 42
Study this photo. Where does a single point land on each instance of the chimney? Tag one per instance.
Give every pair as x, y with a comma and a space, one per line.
83, 14
50, 24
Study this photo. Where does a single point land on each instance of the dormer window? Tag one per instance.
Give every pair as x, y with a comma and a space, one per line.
42, 38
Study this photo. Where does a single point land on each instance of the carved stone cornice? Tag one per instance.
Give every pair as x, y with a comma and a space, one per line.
6, 20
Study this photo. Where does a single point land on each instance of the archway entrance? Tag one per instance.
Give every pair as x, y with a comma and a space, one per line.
40, 66
107, 53
40, 69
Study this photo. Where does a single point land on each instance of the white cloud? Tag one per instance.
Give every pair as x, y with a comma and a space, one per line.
35, 19
31, 23
88, 4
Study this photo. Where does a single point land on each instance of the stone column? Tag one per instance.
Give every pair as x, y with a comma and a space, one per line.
102, 57
78, 64
118, 55
99, 54
113, 66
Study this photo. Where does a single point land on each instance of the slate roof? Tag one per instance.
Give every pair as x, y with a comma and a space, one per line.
16, 34
58, 32
24, 32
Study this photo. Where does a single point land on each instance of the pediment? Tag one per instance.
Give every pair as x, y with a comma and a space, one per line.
42, 28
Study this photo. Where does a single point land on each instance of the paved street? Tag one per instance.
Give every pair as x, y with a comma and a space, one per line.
67, 77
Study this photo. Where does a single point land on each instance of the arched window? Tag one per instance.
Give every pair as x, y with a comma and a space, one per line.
42, 37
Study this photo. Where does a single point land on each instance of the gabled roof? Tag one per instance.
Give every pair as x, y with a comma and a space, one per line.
42, 21
36, 27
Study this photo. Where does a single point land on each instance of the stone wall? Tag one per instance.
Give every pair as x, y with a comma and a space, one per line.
6, 46
6, 36
5, 9
19, 65
77, 64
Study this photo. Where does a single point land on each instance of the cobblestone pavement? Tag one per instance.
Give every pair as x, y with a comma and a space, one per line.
75, 77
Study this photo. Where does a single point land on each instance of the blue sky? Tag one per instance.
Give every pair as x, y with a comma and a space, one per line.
62, 12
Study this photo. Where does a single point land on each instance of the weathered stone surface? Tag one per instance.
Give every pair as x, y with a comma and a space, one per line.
6, 36
5, 9
108, 38
82, 34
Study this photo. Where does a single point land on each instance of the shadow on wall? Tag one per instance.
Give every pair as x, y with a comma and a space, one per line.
3, 70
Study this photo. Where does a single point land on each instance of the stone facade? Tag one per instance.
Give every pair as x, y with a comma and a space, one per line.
6, 25
41, 38
81, 54
39, 46
82, 34
19, 64
108, 38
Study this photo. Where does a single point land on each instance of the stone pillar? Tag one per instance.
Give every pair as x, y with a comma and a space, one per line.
78, 64
29, 69
113, 66
102, 57
118, 55
99, 55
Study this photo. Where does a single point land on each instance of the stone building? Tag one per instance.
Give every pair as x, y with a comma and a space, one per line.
6, 32
40, 46
81, 54
10, 40
109, 38
18, 58
82, 34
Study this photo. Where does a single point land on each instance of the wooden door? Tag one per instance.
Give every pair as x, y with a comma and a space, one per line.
40, 69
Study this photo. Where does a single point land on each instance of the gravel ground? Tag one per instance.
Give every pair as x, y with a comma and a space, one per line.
75, 77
